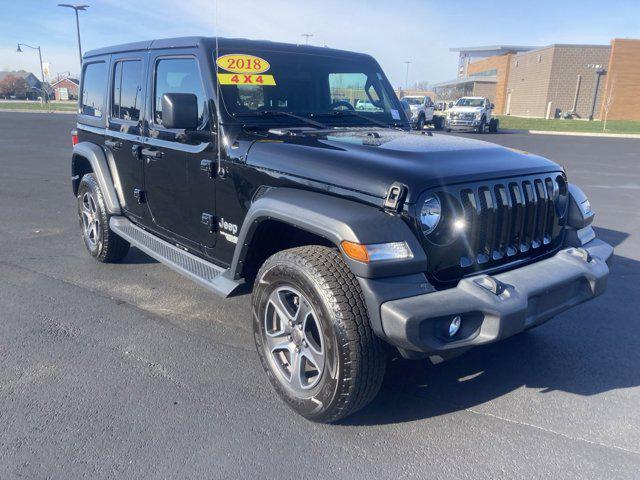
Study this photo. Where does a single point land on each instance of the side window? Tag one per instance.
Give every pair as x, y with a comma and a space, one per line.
94, 82
177, 75
127, 87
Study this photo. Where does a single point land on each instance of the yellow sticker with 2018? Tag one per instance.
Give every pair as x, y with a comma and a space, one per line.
246, 79
242, 63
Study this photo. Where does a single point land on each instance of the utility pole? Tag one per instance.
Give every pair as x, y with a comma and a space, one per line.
406, 77
76, 8
306, 37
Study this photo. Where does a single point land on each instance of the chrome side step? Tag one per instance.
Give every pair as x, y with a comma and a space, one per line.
212, 277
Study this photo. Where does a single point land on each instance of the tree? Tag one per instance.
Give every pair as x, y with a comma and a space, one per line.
606, 105
13, 85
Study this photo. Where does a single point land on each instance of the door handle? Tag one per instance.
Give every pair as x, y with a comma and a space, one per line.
113, 144
148, 152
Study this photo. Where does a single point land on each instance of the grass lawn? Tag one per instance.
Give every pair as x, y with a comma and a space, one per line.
51, 106
613, 126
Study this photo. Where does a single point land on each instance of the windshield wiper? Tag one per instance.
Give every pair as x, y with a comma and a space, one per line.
275, 113
353, 113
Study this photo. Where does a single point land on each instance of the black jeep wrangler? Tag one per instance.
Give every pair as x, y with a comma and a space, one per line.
248, 165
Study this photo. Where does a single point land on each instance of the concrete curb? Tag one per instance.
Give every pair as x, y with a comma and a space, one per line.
586, 134
17, 110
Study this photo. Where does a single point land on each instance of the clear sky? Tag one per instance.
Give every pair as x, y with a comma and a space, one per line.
392, 31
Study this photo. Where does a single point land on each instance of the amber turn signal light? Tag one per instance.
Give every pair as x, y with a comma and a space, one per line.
355, 251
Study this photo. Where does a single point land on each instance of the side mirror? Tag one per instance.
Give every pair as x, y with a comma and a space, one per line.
180, 110
492, 106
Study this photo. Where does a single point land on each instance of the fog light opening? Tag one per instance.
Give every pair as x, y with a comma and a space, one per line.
454, 326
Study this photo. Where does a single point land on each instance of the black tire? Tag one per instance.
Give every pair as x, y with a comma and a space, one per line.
493, 125
354, 358
420, 124
437, 122
102, 243
480, 128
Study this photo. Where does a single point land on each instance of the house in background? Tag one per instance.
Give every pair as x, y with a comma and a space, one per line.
35, 85
66, 88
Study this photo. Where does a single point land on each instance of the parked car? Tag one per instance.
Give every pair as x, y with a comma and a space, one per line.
422, 109
366, 105
228, 161
471, 113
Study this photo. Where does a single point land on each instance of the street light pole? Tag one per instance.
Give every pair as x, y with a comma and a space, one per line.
406, 78
76, 8
19, 50
306, 37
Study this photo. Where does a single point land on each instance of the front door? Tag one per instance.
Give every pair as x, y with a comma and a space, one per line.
124, 129
179, 191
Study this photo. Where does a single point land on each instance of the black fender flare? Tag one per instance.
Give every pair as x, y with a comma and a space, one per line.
100, 166
335, 219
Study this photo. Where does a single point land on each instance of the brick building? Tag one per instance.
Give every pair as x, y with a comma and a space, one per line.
554, 80
66, 88
622, 87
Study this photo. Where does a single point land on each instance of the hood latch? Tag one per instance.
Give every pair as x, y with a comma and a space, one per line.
396, 194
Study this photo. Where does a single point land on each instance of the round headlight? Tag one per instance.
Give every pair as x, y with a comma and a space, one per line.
430, 214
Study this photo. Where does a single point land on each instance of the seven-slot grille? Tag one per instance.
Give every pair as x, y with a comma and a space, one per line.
505, 220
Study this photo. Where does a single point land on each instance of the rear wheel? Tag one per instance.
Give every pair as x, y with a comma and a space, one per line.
313, 335
493, 125
102, 243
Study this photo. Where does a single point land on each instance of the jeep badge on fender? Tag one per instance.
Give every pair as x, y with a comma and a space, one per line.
357, 237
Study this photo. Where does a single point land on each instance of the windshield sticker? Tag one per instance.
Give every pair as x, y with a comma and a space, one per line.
240, 63
395, 114
242, 79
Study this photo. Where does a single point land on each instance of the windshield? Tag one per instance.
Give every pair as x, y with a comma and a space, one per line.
414, 100
470, 102
252, 82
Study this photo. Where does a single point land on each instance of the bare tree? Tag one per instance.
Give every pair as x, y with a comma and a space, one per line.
606, 105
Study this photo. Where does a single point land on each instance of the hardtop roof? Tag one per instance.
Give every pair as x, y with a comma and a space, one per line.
210, 42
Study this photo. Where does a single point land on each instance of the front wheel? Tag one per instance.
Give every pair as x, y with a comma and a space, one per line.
480, 128
420, 124
313, 335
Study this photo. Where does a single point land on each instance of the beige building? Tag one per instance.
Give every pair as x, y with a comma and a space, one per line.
586, 81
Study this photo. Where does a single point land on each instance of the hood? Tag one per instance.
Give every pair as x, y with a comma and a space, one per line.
415, 107
369, 161
465, 109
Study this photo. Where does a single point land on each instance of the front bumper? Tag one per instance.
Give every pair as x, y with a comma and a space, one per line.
524, 298
457, 123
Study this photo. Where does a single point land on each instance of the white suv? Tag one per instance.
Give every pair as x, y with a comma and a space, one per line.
472, 112
422, 108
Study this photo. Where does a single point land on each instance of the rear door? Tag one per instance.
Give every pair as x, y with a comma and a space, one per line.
180, 192
123, 137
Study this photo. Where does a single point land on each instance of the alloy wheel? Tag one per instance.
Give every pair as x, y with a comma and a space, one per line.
90, 221
294, 339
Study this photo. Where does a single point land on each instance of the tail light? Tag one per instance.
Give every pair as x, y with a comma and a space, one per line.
74, 137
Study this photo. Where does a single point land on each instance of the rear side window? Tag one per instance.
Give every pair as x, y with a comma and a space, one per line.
127, 87
177, 75
94, 85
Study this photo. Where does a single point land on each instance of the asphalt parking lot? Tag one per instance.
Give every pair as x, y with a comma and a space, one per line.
130, 371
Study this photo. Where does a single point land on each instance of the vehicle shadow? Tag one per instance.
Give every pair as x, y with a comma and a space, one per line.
137, 257
591, 349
